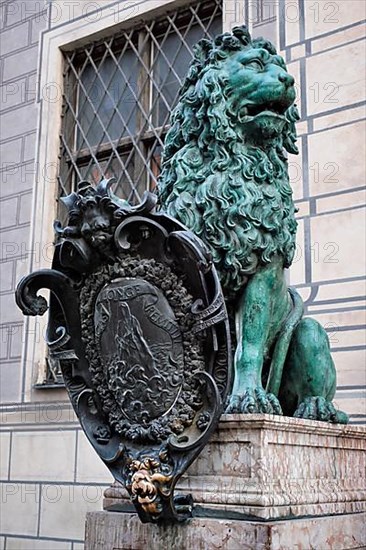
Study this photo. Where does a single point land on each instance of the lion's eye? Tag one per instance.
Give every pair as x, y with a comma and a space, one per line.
255, 64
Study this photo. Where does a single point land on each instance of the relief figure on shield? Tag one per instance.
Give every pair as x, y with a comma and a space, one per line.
143, 367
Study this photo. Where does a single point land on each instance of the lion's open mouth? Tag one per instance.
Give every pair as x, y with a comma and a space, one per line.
274, 108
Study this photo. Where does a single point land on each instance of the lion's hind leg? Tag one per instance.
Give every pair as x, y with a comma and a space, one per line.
309, 376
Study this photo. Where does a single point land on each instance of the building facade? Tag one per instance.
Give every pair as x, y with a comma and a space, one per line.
87, 88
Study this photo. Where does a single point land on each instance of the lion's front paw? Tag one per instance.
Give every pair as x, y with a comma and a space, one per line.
318, 408
254, 400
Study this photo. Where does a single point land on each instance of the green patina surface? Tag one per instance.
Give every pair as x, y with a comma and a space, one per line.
225, 176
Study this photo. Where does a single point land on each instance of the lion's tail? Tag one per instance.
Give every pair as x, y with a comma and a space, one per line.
283, 343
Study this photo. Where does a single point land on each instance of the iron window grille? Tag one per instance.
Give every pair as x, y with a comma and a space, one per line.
118, 95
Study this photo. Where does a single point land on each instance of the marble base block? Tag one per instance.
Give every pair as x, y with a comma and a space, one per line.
270, 467
123, 531
262, 481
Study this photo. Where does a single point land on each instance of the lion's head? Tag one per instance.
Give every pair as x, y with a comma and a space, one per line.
224, 171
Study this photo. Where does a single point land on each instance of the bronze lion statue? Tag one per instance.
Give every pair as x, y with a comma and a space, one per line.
225, 176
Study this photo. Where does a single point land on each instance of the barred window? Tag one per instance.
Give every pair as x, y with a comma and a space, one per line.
118, 96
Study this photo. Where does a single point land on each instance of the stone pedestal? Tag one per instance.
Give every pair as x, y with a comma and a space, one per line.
262, 482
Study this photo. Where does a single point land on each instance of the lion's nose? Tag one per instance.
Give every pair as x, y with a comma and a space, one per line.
287, 79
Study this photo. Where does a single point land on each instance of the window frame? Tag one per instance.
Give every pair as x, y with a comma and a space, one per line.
94, 78
67, 36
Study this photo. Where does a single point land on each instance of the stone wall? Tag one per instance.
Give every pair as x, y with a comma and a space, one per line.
50, 478
21, 23
323, 44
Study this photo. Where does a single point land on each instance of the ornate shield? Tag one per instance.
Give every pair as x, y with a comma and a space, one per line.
139, 325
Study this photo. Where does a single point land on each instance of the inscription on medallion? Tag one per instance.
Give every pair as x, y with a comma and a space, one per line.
140, 345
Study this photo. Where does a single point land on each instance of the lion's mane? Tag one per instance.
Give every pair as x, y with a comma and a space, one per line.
232, 193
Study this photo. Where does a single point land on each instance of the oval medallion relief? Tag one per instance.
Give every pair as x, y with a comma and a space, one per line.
140, 346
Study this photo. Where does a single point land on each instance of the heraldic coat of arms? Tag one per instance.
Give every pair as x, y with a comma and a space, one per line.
139, 325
